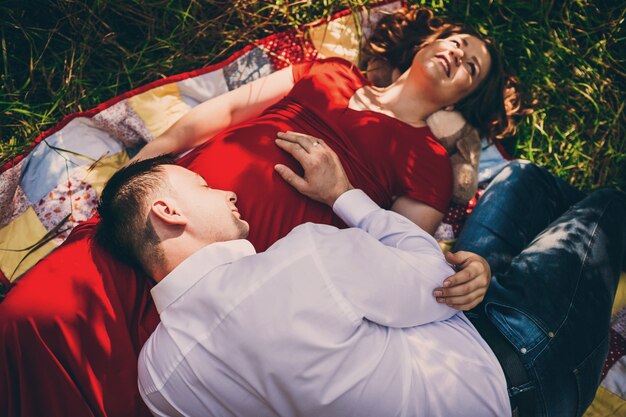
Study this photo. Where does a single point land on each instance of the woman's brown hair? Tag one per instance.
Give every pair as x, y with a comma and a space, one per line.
493, 108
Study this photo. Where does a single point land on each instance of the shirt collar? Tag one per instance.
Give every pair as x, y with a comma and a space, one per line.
188, 272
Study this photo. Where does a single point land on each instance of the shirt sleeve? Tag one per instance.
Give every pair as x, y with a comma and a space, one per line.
385, 266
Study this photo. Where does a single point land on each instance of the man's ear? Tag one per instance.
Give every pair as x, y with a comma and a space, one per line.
168, 211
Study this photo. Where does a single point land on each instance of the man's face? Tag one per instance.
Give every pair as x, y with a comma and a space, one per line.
212, 215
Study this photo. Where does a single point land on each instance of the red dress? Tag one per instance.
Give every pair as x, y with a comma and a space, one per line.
381, 155
72, 327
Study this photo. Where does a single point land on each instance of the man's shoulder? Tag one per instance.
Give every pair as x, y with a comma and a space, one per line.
309, 238
314, 233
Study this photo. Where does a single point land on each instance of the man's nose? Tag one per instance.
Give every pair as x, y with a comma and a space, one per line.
231, 196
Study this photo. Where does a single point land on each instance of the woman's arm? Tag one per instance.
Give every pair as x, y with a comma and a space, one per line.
214, 115
423, 215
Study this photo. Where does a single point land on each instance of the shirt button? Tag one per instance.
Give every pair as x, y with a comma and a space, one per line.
523, 350
550, 334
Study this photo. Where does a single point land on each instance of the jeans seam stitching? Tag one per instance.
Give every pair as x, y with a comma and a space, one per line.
592, 242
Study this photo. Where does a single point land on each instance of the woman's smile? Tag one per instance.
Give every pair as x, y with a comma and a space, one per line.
444, 62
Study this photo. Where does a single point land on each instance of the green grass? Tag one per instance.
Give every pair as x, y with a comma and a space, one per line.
570, 57
63, 56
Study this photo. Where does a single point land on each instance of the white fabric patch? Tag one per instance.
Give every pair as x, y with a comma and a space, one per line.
78, 144
615, 380
203, 87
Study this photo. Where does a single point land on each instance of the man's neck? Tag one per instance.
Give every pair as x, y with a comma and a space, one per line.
175, 251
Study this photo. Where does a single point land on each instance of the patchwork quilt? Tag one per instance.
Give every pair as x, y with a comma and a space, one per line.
45, 192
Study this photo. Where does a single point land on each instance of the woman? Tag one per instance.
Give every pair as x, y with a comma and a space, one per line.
380, 134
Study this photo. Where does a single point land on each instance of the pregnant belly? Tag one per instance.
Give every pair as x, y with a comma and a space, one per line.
242, 160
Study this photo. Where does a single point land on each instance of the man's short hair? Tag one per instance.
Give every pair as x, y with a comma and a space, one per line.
125, 228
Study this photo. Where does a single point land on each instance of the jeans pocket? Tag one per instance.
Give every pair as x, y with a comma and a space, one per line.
520, 329
587, 375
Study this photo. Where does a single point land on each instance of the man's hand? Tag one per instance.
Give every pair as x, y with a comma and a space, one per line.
465, 289
324, 178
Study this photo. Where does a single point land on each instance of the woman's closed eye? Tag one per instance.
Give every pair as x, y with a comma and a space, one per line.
472, 68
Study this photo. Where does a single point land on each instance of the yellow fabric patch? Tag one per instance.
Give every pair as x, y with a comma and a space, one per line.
606, 404
338, 38
446, 245
620, 294
23, 232
98, 174
159, 108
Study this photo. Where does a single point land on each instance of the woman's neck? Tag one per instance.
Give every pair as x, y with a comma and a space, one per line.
404, 100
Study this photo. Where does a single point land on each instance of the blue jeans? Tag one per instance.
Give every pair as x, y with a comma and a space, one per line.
556, 256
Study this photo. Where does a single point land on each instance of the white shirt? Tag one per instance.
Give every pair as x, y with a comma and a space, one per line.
326, 322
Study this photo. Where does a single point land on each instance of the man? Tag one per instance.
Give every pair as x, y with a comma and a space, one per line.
326, 322
335, 323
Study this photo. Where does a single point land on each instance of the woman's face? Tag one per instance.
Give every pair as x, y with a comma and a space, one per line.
452, 68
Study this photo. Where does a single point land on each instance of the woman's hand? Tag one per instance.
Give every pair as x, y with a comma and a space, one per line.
465, 289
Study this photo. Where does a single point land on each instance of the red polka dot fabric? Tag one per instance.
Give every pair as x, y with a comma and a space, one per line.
457, 213
291, 47
617, 349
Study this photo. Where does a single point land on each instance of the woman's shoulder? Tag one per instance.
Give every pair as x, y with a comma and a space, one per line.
339, 62
329, 66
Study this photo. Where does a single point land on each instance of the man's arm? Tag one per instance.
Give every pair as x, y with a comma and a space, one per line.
324, 180
386, 275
